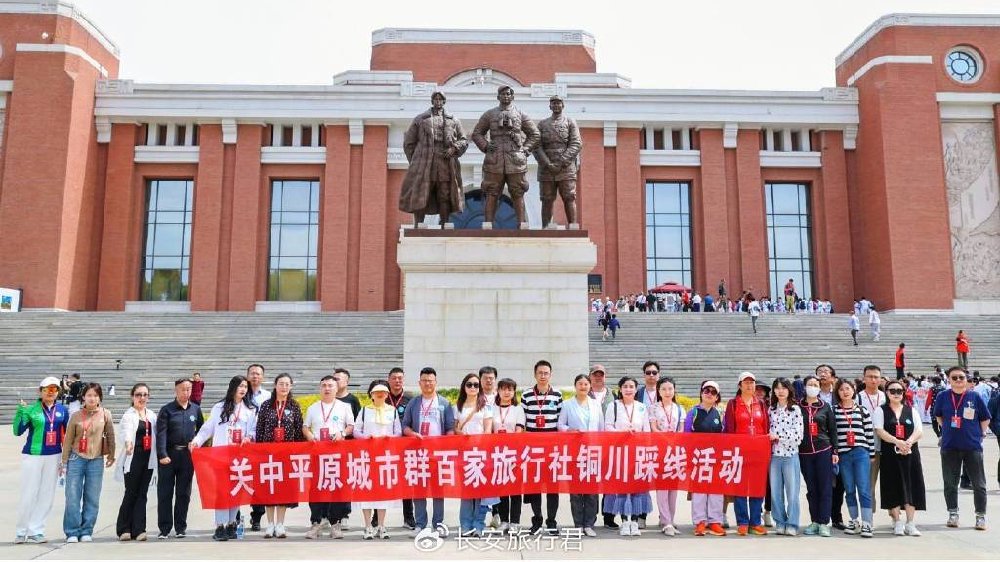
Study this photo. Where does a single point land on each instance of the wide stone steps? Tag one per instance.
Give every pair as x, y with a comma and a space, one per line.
158, 348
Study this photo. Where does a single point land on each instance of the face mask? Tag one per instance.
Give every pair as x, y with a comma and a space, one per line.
812, 391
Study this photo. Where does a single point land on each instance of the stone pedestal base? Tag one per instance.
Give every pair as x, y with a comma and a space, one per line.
502, 298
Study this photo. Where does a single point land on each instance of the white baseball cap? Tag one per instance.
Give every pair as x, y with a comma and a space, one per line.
747, 375
49, 381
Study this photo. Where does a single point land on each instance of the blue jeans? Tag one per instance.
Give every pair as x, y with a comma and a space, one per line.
785, 478
472, 515
855, 471
420, 512
748, 510
83, 485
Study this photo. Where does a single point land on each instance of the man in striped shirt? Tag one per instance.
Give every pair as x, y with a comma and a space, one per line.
542, 405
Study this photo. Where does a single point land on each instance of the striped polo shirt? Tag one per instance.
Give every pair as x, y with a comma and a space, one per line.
548, 404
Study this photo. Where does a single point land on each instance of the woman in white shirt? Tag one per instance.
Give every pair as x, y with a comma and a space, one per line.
380, 419
135, 465
473, 416
627, 414
786, 433
508, 417
666, 416
583, 413
233, 421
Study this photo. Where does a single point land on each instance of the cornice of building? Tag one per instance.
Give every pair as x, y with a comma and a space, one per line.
61, 8
916, 20
483, 36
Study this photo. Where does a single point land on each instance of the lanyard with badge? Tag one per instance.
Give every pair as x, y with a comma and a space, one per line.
82, 447
503, 417
628, 412
425, 412
671, 421
147, 439
50, 435
813, 426
397, 404
236, 433
324, 432
900, 428
279, 432
539, 404
849, 418
956, 420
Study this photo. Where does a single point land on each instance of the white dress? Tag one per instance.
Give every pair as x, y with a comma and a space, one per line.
377, 423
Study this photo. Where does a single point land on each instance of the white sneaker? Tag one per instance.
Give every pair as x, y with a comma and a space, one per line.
590, 532
912, 530
72, 540
415, 532
369, 533
790, 531
515, 529
635, 529
670, 530
495, 522
899, 528
86, 538
269, 532
336, 532
625, 529
383, 533
279, 532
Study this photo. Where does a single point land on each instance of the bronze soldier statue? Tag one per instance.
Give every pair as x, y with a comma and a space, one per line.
433, 183
513, 135
556, 155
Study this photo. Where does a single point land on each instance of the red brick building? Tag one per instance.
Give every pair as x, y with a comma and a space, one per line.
117, 195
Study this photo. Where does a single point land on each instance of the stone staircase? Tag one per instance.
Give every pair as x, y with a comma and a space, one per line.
692, 347
158, 348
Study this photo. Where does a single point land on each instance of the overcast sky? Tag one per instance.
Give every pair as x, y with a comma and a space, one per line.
764, 44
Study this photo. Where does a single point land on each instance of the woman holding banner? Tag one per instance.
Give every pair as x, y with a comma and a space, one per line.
381, 419
746, 414
668, 417
706, 509
508, 417
582, 414
627, 414
473, 416
233, 421
279, 420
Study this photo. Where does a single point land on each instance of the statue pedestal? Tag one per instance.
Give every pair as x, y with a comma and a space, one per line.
505, 298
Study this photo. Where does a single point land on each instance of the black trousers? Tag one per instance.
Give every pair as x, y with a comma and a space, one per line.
509, 509
551, 508
837, 501
132, 513
176, 476
331, 511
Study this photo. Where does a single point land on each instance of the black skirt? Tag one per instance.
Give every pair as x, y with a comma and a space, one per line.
901, 479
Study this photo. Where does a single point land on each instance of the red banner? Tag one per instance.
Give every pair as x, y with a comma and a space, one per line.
480, 466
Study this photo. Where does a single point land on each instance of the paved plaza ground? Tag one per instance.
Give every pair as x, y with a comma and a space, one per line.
937, 540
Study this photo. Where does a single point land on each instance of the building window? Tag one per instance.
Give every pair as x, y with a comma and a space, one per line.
789, 242
668, 233
964, 64
166, 266
294, 240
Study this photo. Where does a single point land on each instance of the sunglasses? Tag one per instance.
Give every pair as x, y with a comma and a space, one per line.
895, 391
472, 385
956, 379
652, 372
52, 388
141, 395
710, 391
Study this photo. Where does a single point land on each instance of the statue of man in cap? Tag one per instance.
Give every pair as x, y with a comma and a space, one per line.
512, 137
556, 155
433, 183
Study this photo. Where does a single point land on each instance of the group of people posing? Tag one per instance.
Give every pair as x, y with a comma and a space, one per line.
838, 439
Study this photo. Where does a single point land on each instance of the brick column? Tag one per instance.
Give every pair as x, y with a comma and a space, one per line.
371, 261
120, 197
245, 277
752, 221
590, 193
333, 230
832, 225
207, 220
630, 195
709, 207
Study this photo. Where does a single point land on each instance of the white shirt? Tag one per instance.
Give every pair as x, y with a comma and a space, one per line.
621, 418
873, 403
754, 308
670, 419
336, 418
260, 396
508, 418
474, 422
873, 318
378, 423
430, 413
243, 420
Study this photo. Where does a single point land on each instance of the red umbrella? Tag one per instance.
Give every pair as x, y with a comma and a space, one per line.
670, 287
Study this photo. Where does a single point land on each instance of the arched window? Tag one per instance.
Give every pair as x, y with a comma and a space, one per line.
483, 78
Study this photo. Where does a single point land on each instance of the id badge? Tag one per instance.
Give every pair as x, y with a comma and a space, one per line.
279, 434
425, 428
850, 439
147, 442
236, 435
50, 438
969, 413
900, 431
539, 421
82, 447
502, 430
324, 434
956, 422
813, 429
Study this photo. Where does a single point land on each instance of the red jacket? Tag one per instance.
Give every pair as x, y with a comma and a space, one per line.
740, 419
899, 358
963, 344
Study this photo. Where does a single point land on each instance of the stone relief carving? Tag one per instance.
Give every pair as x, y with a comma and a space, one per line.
973, 189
